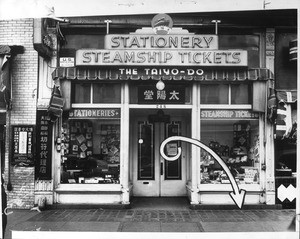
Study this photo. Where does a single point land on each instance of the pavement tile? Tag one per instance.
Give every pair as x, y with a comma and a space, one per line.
140, 227
91, 226
148, 220
182, 227
39, 226
236, 227
279, 226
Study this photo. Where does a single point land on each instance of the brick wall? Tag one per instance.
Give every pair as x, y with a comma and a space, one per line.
24, 72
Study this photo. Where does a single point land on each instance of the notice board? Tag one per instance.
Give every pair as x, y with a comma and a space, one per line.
43, 165
23, 145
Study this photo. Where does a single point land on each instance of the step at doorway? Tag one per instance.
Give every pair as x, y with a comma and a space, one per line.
160, 203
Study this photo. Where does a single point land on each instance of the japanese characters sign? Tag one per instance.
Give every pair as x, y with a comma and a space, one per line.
172, 94
44, 146
22, 150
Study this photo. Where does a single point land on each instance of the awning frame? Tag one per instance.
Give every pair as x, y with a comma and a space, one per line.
79, 73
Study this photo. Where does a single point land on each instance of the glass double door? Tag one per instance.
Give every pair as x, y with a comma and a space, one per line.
154, 176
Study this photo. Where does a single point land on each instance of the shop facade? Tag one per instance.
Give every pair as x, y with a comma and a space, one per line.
124, 93
109, 92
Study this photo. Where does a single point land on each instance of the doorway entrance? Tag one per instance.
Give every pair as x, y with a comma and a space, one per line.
153, 176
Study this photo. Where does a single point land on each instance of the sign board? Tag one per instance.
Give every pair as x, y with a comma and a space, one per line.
151, 71
162, 23
159, 48
43, 166
66, 62
101, 113
171, 94
23, 143
179, 42
228, 114
164, 57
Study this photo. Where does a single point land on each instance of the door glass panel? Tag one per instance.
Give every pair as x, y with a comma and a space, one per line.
145, 151
173, 168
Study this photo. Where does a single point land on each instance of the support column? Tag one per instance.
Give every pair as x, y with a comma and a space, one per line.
270, 158
124, 170
195, 151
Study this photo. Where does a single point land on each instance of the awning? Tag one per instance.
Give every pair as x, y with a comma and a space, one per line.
286, 121
5, 53
4, 66
293, 50
79, 73
286, 96
56, 103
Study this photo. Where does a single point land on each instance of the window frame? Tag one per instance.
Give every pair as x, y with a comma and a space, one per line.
229, 105
91, 104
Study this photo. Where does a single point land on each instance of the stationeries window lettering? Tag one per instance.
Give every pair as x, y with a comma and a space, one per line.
94, 113
209, 57
161, 42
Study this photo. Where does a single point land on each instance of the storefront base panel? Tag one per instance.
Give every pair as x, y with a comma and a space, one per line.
47, 196
222, 201
224, 198
234, 207
88, 199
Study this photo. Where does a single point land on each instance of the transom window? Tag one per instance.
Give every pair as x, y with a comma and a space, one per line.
96, 93
225, 93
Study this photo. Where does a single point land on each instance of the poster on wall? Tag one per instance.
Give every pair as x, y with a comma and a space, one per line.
110, 143
43, 146
81, 138
23, 145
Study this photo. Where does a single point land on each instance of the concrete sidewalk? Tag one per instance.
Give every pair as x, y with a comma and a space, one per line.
149, 220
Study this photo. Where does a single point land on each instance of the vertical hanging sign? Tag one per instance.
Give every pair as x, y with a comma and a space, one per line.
23, 143
44, 146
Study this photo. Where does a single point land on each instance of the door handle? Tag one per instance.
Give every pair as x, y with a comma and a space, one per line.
161, 168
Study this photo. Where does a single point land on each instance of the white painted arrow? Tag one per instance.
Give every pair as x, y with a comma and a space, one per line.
238, 195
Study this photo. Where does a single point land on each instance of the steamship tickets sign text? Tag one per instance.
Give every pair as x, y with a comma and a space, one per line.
95, 113
94, 57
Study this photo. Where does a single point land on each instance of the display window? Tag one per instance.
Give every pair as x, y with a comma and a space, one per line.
237, 143
90, 151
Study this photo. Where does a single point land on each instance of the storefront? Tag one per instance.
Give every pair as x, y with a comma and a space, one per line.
286, 117
124, 94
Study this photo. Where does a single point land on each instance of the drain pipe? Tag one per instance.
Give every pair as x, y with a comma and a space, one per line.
8, 135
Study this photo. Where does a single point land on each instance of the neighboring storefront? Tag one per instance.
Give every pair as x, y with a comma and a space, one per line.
286, 117
118, 96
